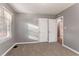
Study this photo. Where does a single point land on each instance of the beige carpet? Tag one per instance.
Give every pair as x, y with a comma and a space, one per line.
40, 49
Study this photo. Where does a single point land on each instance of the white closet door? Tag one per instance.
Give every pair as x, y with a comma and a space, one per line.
52, 30
43, 28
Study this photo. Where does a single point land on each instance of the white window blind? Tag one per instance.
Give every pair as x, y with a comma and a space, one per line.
5, 23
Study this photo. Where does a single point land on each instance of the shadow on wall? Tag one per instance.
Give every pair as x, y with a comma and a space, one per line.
33, 31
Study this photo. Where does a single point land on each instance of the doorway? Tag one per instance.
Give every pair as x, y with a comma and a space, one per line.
60, 35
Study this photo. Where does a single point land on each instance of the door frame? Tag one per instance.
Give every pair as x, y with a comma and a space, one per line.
62, 18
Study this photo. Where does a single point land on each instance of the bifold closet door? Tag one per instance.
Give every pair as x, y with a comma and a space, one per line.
52, 30
43, 30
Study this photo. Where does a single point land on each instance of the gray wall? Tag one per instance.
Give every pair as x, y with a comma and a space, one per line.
7, 43
71, 23
21, 28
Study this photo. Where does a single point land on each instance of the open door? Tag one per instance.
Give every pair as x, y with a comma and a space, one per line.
60, 30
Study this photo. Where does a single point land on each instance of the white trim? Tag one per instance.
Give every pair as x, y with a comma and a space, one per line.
27, 42
16, 44
8, 50
37, 42
70, 49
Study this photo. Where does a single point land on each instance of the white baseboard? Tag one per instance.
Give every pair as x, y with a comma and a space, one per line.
36, 42
70, 49
26, 42
16, 44
8, 50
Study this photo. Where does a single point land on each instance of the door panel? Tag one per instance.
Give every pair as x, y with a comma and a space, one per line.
43, 28
52, 30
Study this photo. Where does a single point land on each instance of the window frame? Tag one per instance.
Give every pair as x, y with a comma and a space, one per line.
9, 32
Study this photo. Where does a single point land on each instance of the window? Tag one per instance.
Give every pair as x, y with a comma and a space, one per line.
5, 23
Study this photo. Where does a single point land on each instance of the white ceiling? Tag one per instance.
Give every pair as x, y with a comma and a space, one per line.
40, 8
